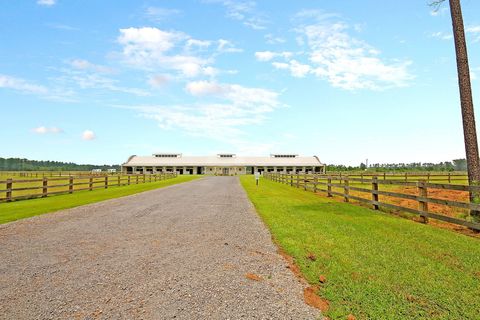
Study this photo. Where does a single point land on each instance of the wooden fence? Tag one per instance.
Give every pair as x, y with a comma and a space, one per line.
41, 174
25, 188
409, 176
331, 184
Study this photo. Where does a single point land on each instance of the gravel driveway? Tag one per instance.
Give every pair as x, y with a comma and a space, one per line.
195, 250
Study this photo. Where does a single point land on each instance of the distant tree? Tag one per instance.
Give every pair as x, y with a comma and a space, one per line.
18, 164
460, 164
466, 100
363, 166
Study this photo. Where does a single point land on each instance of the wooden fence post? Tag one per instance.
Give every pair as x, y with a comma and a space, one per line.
329, 187
70, 184
106, 182
422, 205
449, 178
406, 177
144, 178
118, 180
9, 190
305, 182
346, 190
291, 180
137, 179
315, 180
374, 194
298, 180
90, 184
44, 187
428, 177
384, 176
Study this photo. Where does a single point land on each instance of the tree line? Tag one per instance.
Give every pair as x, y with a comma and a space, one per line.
454, 165
20, 164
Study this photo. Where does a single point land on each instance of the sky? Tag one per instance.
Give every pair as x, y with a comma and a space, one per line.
97, 81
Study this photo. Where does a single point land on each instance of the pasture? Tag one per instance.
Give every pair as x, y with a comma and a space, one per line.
11, 211
370, 264
21, 186
417, 199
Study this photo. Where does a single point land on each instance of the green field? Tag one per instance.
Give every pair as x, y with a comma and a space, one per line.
377, 266
57, 183
12, 211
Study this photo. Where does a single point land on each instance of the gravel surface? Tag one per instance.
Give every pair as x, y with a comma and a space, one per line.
195, 250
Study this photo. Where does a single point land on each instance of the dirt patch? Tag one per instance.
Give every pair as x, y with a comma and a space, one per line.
311, 256
322, 278
313, 299
309, 293
453, 195
252, 276
351, 317
292, 266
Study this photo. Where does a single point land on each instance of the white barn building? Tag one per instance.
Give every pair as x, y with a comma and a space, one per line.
221, 164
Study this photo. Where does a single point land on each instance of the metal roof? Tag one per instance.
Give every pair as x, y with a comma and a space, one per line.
220, 161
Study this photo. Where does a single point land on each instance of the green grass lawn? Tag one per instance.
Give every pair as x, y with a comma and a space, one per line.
377, 266
12, 211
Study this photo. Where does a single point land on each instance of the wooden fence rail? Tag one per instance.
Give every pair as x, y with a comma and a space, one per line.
409, 176
326, 184
66, 185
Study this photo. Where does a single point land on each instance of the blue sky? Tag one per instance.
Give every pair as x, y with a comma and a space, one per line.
98, 81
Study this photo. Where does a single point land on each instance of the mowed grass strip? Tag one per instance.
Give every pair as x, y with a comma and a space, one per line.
16, 210
376, 266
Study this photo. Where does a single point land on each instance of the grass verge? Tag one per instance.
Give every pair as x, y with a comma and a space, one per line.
12, 211
375, 266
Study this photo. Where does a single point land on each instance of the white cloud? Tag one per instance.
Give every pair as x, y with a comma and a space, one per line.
334, 55
82, 64
227, 46
439, 11
158, 14
210, 71
198, 88
158, 80
296, 68
264, 55
47, 3
44, 130
269, 55
88, 80
147, 41
197, 43
256, 99
88, 135
150, 48
350, 63
441, 35
21, 85
230, 107
474, 32
281, 65
244, 11
61, 26
271, 39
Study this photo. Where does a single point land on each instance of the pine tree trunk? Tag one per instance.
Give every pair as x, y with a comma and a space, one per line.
466, 101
